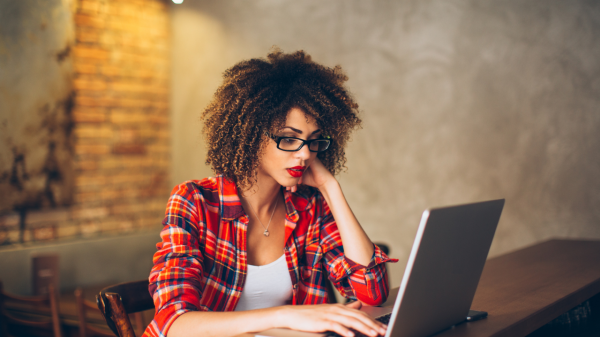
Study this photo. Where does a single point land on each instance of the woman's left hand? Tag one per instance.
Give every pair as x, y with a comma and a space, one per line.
316, 175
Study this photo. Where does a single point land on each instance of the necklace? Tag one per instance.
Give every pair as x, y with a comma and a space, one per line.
266, 233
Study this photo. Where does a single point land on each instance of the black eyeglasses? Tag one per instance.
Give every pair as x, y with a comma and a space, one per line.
286, 143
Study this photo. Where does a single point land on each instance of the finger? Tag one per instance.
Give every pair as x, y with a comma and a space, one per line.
355, 305
348, 310
368, 324
340, 329
358, 325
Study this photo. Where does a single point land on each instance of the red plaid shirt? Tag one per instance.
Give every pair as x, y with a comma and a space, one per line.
201, 263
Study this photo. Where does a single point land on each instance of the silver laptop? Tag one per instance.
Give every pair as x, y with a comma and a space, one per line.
442, 273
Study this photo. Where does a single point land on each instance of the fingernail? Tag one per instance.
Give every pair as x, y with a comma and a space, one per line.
373, 332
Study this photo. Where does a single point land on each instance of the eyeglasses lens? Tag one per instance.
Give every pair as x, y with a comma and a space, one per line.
292, 144
319, 145
289, 144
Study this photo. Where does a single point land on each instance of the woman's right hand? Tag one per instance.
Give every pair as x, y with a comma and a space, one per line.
331, 317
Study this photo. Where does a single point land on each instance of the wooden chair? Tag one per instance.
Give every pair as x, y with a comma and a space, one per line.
85, 328
49, 301
118, 301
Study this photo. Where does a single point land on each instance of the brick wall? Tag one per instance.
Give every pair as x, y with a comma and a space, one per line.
121, 132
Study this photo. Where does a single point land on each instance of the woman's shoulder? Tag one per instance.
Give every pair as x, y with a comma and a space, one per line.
208, 188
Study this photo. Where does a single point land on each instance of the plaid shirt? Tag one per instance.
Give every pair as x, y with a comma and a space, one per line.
201, 263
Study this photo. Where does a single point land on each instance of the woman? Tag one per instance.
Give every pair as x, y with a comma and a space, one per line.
239, 251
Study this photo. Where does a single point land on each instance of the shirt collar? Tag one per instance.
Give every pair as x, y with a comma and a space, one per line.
231, 206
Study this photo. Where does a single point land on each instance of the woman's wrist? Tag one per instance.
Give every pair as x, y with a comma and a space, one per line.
329, 188
281, 316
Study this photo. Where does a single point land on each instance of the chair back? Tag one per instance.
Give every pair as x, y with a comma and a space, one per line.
116, 302
48, 301
84, 307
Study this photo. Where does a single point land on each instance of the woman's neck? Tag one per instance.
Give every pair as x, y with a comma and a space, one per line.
262, 195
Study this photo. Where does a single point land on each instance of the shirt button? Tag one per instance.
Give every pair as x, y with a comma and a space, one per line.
295, 286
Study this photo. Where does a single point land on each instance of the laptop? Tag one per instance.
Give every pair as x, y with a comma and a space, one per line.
443, 270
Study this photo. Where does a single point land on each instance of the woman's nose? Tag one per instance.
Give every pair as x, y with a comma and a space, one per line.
303, 153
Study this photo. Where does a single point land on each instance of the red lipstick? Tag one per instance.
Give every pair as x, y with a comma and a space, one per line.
296, 171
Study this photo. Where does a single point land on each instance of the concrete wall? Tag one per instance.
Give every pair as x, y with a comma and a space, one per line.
461, 101
36, 72
89, 262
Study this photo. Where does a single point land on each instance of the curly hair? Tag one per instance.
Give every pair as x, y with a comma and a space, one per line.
256, 96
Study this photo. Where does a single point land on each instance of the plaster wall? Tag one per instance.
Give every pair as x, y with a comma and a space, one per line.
461, 101
83, 263
35, 102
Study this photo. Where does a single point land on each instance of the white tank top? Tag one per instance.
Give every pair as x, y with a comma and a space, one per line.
266, 286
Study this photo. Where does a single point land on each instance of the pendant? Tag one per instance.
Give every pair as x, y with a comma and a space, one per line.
266, 233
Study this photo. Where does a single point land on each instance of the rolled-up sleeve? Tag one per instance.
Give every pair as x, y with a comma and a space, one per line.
175, 279
369, 284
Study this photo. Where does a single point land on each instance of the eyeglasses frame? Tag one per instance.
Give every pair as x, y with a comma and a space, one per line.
278, 139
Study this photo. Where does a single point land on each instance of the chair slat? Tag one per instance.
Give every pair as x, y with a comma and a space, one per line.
85, 328
27, 322
137, 297
103, 309
31, 300
116, 302
119, 315
49, 300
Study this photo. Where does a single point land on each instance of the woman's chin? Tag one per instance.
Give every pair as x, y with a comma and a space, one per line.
289, 182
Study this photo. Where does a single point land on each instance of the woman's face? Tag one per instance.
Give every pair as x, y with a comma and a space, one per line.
286, 167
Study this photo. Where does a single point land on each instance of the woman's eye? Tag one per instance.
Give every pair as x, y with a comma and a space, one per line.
288, 140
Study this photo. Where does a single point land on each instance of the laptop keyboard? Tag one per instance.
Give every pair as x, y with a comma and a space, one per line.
385, 319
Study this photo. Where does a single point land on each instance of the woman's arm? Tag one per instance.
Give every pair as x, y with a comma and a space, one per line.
357, 245
204, 324
361, 273
175, 278
312, 318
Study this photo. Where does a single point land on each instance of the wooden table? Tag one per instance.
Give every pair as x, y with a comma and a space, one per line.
525, 289
521, 290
